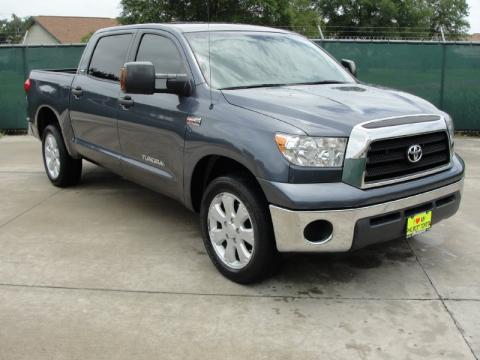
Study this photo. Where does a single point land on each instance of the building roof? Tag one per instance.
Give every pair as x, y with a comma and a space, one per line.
474, 37
71, 29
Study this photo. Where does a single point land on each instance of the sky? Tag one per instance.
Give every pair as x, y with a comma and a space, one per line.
111, 8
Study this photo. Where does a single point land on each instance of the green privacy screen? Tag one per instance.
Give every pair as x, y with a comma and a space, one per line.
447, 74
15, 65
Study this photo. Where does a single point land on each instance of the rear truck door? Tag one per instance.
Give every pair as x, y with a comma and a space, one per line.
94, 98
152, 128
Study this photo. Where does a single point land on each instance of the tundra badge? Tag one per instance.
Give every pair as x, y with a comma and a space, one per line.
152, 160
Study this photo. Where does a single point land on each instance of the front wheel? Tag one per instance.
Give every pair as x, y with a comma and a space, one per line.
61, 168
237, 230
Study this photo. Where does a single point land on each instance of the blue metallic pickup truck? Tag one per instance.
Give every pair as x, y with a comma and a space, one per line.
273, 142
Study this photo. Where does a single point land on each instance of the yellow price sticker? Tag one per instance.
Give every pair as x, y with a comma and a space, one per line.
419, 223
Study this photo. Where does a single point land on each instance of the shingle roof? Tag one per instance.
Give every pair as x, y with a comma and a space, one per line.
71, 29
474, 37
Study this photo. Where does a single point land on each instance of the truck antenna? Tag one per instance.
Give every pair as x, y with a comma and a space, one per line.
209, 55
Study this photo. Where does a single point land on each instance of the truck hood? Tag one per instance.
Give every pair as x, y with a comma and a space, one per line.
328, 110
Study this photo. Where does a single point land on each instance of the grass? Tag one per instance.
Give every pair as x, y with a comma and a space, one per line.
1, 134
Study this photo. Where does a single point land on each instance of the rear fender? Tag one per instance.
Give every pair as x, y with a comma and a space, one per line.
66, 128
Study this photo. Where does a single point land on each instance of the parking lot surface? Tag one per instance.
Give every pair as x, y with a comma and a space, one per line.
109, 270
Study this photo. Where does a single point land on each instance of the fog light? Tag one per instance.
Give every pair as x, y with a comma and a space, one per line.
318, 231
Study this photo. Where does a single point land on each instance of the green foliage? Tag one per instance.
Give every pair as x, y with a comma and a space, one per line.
304, 18
398, 18
350, 18
12, 31
451, 15
282, 13
86, 37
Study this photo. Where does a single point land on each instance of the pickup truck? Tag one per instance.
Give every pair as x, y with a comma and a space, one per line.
273, 142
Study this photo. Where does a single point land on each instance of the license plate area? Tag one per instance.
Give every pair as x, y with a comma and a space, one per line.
419, 223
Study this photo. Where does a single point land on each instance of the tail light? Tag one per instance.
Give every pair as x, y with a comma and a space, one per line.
27, 85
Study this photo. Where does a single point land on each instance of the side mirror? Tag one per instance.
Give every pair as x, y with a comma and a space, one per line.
140, 78
179, 84
350, 66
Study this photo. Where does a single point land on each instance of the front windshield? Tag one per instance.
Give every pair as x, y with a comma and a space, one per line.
250, 59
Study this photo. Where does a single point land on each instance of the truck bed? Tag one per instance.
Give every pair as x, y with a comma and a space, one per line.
67, 70
51, 88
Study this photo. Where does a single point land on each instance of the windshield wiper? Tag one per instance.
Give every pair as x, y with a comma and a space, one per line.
251, 86
321, 82
292, 84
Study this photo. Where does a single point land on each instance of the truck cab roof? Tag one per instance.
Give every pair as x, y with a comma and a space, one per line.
196, 27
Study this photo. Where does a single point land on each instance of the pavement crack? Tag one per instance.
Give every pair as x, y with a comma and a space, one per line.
442, 301
30, 208
39, 203
164, 292
21, 172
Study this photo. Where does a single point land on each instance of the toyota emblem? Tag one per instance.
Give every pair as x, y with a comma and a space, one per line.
414, 153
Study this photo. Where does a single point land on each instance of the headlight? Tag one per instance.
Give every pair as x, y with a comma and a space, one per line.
312, 151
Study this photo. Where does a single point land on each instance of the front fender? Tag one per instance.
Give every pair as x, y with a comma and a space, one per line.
239, 134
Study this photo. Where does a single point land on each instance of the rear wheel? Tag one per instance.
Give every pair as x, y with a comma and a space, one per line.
237, 229
61, 168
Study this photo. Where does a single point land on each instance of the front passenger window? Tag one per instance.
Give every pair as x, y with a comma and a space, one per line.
163, 53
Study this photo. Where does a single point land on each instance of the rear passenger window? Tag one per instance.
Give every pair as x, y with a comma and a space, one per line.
109, 56
162, 52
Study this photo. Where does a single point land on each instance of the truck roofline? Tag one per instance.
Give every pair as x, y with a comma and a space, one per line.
196, 27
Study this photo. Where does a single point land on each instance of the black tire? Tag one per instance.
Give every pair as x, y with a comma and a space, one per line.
70, 168
264, 258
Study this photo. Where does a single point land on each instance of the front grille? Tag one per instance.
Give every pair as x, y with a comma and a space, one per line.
387, 159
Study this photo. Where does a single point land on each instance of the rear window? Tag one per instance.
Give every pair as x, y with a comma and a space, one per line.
109, 57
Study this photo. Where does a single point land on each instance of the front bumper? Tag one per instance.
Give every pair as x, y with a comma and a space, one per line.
357, 227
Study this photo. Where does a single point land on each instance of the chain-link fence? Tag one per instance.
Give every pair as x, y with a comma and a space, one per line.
445, 73
331, 32
11, 38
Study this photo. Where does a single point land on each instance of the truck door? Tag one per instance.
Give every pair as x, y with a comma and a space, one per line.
94, 100
152, 128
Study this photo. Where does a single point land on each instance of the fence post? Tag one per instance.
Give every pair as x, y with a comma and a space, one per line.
442, 76
320, 31
442, 33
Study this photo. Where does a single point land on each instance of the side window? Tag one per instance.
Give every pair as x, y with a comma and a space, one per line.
109, 56
162, 52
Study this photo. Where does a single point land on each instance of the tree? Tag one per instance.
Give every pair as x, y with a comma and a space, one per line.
344, 18
304, 18
283, 13
12, 31
451, 15
86, 38
398, 18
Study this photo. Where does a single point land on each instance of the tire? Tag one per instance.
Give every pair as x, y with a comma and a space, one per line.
254, 256
61, 168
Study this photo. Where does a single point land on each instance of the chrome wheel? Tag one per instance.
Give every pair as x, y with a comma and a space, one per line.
52, 156
230, 230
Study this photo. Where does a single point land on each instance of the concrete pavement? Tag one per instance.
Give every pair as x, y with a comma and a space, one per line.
109, 270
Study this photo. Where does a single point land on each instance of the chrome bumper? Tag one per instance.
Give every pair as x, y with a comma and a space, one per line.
289, 225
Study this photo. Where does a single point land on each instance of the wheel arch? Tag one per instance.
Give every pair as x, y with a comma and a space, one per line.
208, 168
47, 115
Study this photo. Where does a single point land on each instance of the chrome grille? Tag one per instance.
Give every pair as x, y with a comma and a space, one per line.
387, 158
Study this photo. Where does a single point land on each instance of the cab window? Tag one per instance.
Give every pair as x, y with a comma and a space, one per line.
109, 56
